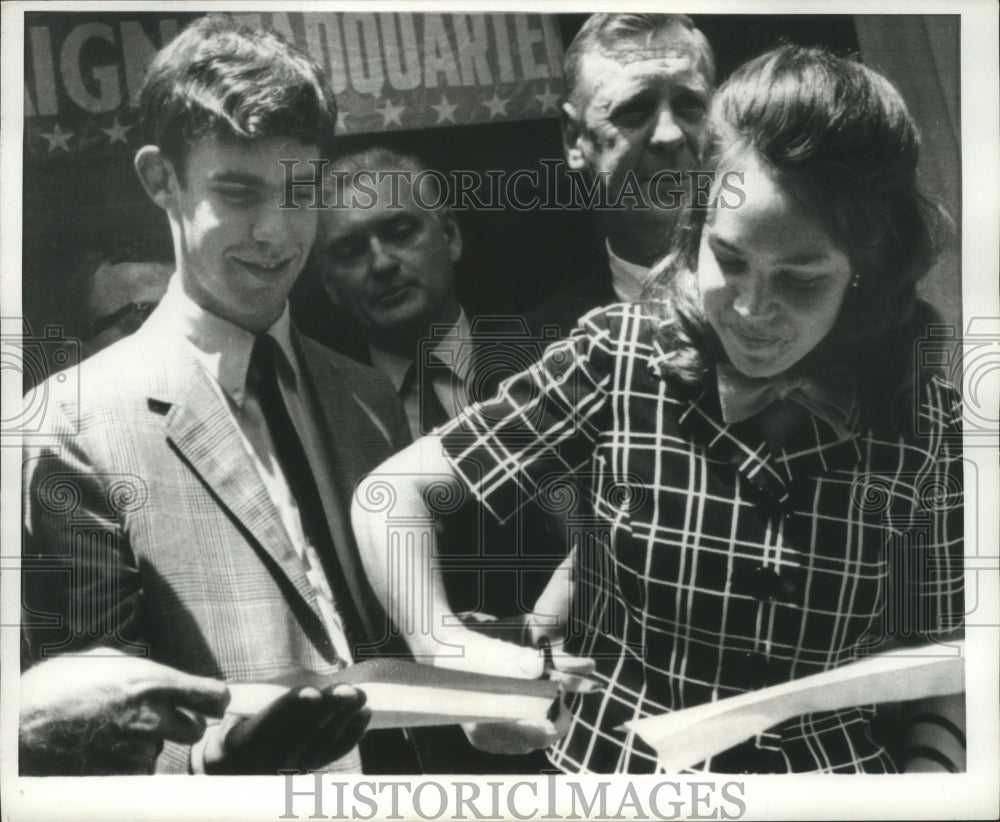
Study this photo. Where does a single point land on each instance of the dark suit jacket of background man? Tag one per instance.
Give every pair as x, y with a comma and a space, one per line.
149, 528
590, 288
495, 569
515, 558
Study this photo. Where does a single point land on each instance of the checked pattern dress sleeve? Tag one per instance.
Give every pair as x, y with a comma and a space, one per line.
542, 423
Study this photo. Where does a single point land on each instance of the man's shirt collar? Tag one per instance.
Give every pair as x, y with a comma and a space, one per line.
451, 349
627, 279
222, 347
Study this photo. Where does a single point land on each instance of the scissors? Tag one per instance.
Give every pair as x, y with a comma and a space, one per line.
580, 681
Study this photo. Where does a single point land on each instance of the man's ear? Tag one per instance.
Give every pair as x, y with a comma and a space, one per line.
452, 233
572, 135
323, 267
157, 175
328, 283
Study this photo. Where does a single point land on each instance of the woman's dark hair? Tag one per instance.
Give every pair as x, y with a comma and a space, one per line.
236, 83
838, 136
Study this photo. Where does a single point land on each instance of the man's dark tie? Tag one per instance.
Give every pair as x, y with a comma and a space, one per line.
432, 412
298, 473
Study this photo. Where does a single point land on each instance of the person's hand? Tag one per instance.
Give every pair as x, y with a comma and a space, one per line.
482, 654
521, 737
303, 729
510, 629
103, 712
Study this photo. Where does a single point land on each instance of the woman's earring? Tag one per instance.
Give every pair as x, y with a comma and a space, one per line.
855, 280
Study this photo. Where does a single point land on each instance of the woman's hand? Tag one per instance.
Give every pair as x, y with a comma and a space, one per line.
518, 737
471, 651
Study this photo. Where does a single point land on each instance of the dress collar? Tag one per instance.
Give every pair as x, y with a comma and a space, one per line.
830, 395
811, 450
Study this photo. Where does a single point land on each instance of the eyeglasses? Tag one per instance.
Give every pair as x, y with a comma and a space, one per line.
128, 318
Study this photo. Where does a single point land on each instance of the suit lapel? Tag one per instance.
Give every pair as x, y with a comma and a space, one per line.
337, 469
204, 432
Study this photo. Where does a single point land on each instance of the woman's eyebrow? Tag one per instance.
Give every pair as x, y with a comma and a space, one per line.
806, 258
800, 258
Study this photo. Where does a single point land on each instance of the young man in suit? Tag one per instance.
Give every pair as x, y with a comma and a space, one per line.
191, 502
637, 91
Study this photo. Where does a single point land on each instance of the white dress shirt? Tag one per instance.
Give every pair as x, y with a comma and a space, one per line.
453, 349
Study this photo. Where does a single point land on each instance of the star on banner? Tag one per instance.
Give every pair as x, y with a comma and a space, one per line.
547, 100
391, 113
117, 132
58, 138
497, 105
445, 110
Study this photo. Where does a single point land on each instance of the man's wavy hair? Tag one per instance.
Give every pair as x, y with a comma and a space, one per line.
617, 36
838, 136
236, 83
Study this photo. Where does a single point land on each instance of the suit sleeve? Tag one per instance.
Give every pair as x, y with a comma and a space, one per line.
80, 582
80, 578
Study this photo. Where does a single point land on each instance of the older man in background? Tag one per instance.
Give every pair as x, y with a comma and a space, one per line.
637, 91
121, 283
388, 262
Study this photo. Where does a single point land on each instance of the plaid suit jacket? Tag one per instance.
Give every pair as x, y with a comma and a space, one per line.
148, 528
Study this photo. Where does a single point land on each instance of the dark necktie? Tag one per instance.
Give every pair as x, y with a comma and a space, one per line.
298, 473
421, 380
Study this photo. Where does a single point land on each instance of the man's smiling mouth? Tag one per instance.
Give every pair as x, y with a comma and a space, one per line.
265, 267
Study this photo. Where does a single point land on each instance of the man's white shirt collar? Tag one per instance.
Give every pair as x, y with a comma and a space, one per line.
627, 279
222, 347
448, 350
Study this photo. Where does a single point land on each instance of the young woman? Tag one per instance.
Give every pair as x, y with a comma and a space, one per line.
778, 485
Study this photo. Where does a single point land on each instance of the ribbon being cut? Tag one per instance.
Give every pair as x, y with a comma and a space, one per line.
409, 694
684, 738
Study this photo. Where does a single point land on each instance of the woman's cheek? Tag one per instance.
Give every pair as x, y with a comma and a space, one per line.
715, 299
815, 312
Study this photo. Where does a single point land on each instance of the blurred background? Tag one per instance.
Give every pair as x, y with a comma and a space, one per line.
476, 92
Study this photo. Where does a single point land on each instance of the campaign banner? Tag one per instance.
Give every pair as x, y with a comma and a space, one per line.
390, 71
